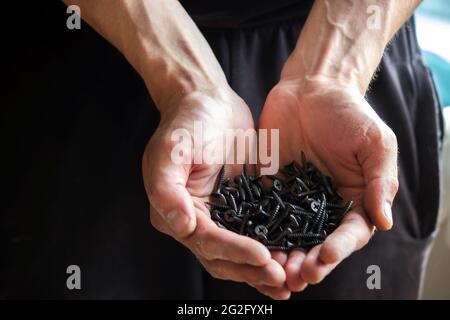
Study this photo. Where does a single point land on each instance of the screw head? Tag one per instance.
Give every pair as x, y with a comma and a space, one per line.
277, 185
315, 205
216, 215
261, 230
290, 245
229, 215
296, 190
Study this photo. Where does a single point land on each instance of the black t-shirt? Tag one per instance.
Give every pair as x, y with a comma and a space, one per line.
235, 13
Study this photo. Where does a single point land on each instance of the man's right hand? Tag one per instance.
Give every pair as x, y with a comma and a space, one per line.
177, 192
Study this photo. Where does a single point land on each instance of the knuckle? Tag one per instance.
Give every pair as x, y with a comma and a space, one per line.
393, 184
155, 192
391, 137
156, 223
251, 278
357, 239
217, 271
352, 240
311, 276
204, 244
202, 248
382, 137
377, 136
363, 241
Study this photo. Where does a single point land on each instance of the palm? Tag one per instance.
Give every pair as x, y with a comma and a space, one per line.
203, 176
212, 118
326, 125
322, 128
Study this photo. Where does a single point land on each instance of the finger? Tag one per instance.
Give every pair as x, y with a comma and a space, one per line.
211, 242
276, 293
272, 274
293, 266
165, 183
314, 270
378, 158
280, 257
353, 233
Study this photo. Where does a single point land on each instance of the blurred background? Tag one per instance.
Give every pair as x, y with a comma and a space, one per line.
433, 32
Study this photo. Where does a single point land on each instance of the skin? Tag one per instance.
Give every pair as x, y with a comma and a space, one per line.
318, 105
320, 97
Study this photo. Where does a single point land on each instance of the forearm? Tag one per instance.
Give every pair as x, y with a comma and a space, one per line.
160, 41
343, 41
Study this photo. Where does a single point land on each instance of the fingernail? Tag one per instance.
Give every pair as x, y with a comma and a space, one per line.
179, 223
388, 212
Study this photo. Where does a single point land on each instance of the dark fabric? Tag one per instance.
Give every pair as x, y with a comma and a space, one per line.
233, 14
76, 119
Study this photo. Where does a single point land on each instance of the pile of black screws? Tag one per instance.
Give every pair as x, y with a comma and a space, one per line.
298, 211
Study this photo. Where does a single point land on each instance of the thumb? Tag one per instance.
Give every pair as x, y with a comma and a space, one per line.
165, 184
379, 164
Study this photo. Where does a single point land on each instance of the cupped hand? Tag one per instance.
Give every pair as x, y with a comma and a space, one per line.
343, 136
178, 191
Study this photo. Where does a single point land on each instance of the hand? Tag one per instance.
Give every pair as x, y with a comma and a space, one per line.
177, 192
343, 136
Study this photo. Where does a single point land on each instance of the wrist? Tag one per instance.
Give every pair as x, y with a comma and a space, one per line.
313, 82
167, 50
349, 72
336, 44
202, 100
313, 90
173, 92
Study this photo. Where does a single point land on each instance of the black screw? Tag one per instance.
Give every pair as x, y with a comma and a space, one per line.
279, 200
231, 216
221, 178
277, 248
297, 211
315, 205
244, 182
277, 185
261, 230
218, 205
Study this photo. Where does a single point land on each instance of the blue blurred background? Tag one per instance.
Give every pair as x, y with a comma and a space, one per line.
433, 32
